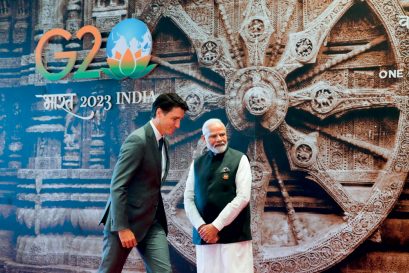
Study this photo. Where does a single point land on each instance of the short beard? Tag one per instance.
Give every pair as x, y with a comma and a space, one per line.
217, 150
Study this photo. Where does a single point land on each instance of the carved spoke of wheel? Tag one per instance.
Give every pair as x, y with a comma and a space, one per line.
195, 76
233, 43
324, 100
296, 226
342, 58
256, 30
279, 35
200, 99
302, 151
261, 173
303, 47
210, 51
354, 142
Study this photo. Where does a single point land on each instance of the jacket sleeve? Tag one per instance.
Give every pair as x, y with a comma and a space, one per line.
130, 157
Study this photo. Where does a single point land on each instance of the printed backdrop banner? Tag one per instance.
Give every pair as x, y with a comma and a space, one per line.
314, 92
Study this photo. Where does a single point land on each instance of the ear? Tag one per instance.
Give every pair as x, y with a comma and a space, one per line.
159, 112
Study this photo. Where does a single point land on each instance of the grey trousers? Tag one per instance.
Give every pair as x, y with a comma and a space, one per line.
153, 249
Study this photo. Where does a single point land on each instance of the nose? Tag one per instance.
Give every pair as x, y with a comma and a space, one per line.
177, 124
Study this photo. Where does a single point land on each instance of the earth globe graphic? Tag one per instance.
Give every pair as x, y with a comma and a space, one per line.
128, 50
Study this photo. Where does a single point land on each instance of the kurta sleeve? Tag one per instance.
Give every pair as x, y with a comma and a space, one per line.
189, 200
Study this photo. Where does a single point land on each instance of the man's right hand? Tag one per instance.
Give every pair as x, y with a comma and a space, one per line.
208, 233
127, 238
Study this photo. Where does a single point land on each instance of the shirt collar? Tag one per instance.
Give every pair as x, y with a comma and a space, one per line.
155, 131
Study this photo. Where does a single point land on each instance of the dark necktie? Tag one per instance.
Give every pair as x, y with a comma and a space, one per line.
160, 144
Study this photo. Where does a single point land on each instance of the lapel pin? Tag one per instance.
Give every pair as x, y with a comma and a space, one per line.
225, 172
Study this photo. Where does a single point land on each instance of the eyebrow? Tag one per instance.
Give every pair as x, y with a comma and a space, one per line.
215, 134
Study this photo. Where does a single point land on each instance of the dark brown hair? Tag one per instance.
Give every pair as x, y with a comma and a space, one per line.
167, 102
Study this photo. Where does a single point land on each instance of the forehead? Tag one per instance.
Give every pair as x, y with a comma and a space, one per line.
216, 128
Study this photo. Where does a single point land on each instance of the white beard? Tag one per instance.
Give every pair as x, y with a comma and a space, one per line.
217, 150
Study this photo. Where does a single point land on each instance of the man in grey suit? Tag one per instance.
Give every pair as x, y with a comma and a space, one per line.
134, 214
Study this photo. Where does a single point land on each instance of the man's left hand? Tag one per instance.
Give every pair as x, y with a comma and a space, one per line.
209, 233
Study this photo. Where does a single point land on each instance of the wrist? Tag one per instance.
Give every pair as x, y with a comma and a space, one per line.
216, 226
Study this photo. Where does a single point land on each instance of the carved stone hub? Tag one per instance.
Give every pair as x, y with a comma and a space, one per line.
257, 94
258, 100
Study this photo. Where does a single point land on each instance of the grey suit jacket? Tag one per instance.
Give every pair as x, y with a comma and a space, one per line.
135, 196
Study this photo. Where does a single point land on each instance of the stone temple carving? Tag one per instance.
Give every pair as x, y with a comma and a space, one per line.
297, 83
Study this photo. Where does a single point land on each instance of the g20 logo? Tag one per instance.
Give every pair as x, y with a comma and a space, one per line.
128, 50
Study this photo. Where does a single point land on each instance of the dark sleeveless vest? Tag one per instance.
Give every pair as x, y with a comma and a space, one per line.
215, 187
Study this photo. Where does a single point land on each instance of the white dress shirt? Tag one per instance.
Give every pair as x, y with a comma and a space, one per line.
158, 137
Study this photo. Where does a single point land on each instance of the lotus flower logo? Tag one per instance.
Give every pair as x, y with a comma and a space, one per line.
129, 46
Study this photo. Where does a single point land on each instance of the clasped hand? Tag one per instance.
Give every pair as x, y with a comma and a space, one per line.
209, 233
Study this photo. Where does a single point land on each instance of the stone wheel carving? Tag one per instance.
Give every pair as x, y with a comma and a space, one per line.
268, 88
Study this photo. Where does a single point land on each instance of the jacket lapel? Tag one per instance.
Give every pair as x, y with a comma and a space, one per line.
153, 145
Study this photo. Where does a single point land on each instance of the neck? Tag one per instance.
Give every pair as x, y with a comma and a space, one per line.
156, 122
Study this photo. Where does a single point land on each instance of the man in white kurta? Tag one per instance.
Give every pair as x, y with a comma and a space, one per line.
224, 245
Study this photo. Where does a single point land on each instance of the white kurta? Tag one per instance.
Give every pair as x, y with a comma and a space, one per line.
223, 258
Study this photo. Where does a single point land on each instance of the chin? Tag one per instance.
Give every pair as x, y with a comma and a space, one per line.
221, 149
